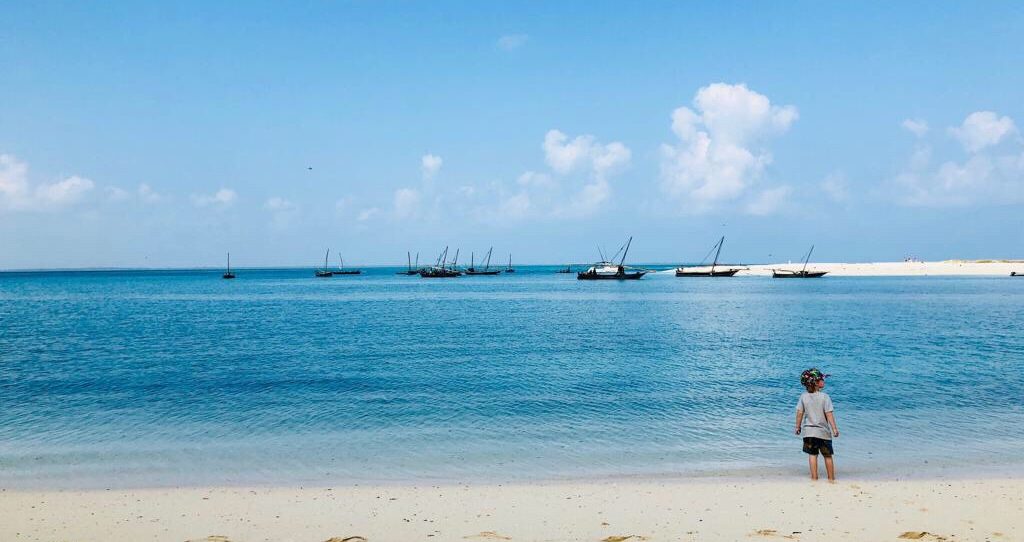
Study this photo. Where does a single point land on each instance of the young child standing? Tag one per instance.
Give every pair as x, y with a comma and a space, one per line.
816, 422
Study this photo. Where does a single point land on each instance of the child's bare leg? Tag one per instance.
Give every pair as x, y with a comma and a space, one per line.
812, 463
830, 468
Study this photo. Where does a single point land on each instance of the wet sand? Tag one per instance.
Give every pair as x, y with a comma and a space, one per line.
592, 511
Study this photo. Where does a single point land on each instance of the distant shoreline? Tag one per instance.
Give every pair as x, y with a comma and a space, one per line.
980, 267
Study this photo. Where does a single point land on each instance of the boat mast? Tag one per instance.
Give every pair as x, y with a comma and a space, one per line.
713, 264
408, 260
623, 260
326, 254
456, 260
472, 259
804, 269
229, 262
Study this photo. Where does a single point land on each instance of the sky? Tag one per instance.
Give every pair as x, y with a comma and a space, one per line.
159, 134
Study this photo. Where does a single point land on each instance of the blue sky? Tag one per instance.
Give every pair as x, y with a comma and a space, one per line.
165, 135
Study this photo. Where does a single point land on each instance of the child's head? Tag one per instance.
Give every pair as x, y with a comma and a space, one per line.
813, 380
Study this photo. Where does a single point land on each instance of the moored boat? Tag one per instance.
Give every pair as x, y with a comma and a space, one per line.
342, 271
803, 273
325, 272
704, 271
410, 270
609, 270
472, 270
442, 269
227, 273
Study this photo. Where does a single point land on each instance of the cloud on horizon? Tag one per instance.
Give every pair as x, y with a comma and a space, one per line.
19, 194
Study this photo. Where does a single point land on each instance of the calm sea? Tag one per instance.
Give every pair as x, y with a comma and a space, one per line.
114, 379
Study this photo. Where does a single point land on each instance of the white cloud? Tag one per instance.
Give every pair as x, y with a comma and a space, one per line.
768, 201
835, 187
16, 192
430, 164
987, 176
583, 154
917, 127
982, 129
511, 42
407, 203
367, 214
282, 211
721, 152
221, 198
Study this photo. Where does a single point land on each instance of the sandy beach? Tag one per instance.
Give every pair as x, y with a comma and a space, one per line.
708, 509
899, 269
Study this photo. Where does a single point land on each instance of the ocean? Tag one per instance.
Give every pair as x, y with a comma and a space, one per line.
180, 378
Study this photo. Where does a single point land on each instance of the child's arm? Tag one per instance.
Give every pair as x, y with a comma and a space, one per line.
799, 418
831, 417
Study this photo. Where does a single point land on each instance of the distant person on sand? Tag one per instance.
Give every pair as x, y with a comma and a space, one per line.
816, 422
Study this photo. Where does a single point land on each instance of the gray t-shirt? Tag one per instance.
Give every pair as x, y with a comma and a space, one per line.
815, 405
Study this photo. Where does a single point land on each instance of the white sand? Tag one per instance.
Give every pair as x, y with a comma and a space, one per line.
594, 511
949, 267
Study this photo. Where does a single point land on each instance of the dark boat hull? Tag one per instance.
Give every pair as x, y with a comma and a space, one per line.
353, 272
726, 273
1016, 274
323, 274
618, 276
799, 275
228, 276
440, 274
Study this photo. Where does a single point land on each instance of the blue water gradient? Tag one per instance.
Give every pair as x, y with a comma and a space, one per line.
148, 378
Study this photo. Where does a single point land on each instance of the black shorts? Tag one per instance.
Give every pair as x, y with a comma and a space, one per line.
813, 445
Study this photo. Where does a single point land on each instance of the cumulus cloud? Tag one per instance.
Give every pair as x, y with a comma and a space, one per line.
988, 175
17, 193
221, 198
282, 211
982, 129
511, 42
917, 127
279, 204
430, 164
582, 154
721, 150
147, 194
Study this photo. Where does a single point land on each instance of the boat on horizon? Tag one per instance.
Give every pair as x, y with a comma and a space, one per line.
609, 270
411, 270
472, 270
442, 269
566, 269
703, 271
342, 271
803, 273
510, 269
228, 274
325, 272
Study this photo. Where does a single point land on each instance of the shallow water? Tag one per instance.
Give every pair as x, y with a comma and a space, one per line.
181, 378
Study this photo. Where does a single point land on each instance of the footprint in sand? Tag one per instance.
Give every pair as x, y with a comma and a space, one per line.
348, 539
635, 537
921, 535
212, 538
489, 535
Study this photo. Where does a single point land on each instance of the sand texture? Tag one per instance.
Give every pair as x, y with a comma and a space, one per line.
590, 511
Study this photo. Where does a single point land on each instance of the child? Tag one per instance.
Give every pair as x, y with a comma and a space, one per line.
814, 419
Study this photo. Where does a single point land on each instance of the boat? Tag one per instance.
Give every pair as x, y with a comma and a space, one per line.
228, 274
411, 270
441, 269
703, 271
567, 269
609, 270
472, 270
323, 273
342, 271
803, 273
510, 269
1016, 274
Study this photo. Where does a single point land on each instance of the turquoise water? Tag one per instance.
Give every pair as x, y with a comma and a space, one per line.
180, 378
